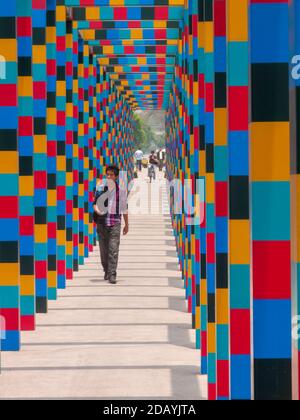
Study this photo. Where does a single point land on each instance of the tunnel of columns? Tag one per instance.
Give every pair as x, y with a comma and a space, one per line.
227, 75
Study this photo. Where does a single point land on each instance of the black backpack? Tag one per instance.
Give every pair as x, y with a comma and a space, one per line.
96, 217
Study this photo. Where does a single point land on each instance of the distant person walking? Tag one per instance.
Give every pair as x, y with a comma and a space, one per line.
153, 158
139, 157
153, 162
109, 204
161, 158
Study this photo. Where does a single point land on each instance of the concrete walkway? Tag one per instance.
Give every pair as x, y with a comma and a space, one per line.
126, 341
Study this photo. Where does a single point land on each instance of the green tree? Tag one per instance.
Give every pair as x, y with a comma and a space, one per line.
139, 134
144, 136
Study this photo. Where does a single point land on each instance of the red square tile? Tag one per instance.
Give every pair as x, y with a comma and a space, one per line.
240, 331
271, 270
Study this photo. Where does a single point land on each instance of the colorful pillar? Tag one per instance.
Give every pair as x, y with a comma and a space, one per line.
49, 286
61, 163
270, 202
26, 154
39, 72
9, 183
69, 150
221, 193
239, 227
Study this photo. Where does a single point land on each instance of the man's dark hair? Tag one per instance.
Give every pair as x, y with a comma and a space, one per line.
114, 169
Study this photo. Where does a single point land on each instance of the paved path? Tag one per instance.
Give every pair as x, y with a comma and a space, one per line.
101, 341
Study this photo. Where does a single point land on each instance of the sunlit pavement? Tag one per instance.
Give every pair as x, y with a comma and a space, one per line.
126, 341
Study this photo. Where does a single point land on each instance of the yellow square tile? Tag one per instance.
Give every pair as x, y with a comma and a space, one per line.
51, 116
222, 306
210, 188
220, 127
142, 60
61, 237
52, 279
116, 2
60, 88
69, 248
9, 274
201, 32
270, 151
75, 215
51, 35
211, 338
158, 24
92, 13
197, 318
195, 92
40, 233
61, 163
9, 162
27, 285
136, 33
239, 243
25, 86
237, 20
203, 292
209, 37
26, 186
40, 144
52, 198
8, 49
88, 34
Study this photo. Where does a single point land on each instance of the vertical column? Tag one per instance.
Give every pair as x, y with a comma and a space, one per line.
76, 128
61, 141
189, 150
239, 228
51, 153
26, 180
196, 165
97, 108
184, 154
86, 213
202, 164
221, 178
294, 38
100, 121
81, 153
69, 150
270, 184
91, 145
9, 183
210, 194
39, 72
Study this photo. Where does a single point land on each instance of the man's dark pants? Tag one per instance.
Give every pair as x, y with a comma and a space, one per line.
109, 242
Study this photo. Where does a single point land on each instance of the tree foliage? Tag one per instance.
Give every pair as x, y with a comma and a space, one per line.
144, 136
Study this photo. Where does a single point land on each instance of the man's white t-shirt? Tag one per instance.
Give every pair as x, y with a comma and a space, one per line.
139, 155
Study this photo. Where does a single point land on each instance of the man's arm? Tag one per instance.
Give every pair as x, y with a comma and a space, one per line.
124, 209
126, 227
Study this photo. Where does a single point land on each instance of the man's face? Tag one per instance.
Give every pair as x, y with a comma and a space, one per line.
111, 179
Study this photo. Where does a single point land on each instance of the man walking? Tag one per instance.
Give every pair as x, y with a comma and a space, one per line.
109, 204
160, 157
139, 157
